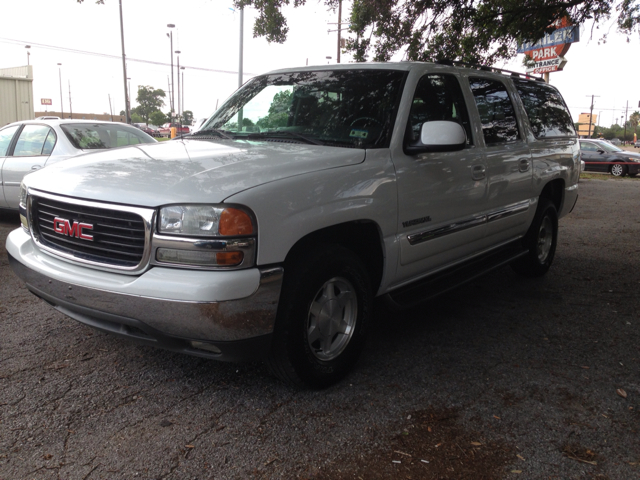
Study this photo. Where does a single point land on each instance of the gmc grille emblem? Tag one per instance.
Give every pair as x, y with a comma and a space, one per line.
64, 227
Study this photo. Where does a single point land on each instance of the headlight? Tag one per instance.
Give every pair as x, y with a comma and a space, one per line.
23, 196
22, 207
204, 220
229, 237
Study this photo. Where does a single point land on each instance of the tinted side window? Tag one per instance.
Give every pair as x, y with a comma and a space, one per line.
547, 112
5, 139
496, 111
437, 97
31, 141
588, 147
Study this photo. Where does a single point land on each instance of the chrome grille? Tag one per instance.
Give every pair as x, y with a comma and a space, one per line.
119, 237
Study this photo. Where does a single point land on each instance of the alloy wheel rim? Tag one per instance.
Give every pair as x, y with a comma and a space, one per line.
545, 237
616, 170
332, 317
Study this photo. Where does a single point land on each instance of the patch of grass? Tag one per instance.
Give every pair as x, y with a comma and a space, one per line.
605, 176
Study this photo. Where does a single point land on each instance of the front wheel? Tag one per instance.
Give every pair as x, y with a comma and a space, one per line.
323, 317
618, 170
540, 241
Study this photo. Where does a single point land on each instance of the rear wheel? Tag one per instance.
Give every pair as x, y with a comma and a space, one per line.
618, 170
324, 312
540, 241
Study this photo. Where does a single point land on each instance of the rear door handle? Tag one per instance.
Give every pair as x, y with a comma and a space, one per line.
478, 172
523, 164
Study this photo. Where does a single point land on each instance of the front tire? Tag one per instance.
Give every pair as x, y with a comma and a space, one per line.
323, 316
540, 241
618, 170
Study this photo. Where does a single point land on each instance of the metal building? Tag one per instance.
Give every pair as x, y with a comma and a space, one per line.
16, 94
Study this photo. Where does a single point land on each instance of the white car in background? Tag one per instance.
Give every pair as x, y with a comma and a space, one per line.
30, 145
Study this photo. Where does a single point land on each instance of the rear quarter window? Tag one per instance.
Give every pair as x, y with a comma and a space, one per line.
547, 112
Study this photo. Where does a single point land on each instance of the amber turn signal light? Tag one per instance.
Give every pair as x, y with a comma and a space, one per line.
234, 222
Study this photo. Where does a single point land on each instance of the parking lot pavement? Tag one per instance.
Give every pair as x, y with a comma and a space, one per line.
503, 378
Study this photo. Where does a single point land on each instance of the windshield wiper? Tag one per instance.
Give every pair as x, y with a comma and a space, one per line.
209, 131
284, 134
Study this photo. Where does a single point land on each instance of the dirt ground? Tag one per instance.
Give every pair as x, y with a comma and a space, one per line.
505, 378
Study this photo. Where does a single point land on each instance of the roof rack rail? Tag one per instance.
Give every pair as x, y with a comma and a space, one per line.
485, 68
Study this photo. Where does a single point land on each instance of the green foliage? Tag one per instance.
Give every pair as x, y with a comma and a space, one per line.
135, 118
187, 117
149, 100
158, 118
278, 115
481, 31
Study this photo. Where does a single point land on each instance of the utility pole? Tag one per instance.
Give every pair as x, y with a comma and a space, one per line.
110, 108
240, 112
339, 30
591, 115
70, 109
124, 70
339, 27
60, 78
624, 139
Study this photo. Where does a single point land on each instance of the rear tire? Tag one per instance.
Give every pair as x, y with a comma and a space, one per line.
540, 241
323, 317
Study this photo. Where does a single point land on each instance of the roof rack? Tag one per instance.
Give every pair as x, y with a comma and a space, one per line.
485, 68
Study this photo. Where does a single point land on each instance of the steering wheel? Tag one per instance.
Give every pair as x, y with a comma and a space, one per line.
367, 121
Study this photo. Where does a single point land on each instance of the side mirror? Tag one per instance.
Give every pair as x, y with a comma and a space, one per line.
438, 136
600, 151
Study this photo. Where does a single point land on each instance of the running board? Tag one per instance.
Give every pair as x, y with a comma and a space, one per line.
451, 278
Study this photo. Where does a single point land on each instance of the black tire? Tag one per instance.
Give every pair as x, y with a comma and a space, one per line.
618, 170
540, 241
326, 285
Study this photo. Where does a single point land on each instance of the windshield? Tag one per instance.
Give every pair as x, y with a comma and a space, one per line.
607, 147
354, 108
87, 136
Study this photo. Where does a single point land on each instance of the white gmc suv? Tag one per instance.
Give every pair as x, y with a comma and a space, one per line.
268, 232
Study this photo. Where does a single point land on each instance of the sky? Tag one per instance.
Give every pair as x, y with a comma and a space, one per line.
85, 39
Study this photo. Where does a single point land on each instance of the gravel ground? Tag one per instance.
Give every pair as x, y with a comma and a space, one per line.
503, 378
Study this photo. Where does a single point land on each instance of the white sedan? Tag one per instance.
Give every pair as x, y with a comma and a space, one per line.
30, 145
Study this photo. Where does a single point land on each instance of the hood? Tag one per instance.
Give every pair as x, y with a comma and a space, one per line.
179, 171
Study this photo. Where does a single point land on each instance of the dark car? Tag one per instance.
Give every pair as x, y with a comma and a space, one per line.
599, 156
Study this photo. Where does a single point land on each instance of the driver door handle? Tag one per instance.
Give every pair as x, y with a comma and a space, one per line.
478, 172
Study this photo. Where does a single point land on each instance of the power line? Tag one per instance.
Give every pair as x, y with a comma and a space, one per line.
118, 57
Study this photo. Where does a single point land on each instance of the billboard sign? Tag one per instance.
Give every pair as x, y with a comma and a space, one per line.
45, 101
561, 36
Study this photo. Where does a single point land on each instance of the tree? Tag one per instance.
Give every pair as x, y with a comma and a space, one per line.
278, 114
149, 100
158, 118
634, 119
135, 118
187, 117
481, 31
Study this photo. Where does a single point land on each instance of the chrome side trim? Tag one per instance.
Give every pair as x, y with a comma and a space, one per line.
147, 215
208, 321
509, 210
421, 237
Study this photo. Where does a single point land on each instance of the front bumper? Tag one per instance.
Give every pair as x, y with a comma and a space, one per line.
226, 315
